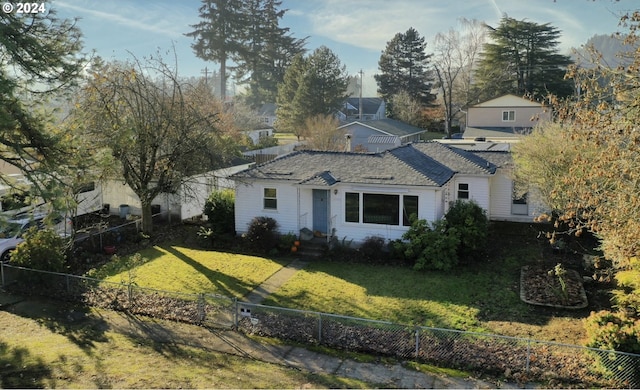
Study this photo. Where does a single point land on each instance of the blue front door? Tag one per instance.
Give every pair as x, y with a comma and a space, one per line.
320, 210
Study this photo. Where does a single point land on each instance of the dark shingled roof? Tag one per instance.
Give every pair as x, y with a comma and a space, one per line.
419, 164
389, 126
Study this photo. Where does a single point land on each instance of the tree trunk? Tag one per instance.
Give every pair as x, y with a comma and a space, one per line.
147, 222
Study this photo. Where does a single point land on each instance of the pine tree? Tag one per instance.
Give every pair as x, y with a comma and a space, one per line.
313, 85
268, 50
404, 66
523, 60
218, 37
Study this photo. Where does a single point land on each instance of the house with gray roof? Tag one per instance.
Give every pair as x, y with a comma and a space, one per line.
371, 108
505, 118
378, 135
358, 195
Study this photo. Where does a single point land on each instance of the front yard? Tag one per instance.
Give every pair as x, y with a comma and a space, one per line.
480, 297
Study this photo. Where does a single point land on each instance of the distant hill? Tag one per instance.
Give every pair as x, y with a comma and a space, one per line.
610, 47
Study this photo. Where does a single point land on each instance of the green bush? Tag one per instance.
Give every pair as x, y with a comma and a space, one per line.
42, 249
429, 247
219, 209
373, 250
471, 226
461, 235
613, 330
262, 235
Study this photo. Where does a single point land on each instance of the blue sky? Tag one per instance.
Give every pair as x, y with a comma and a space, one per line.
356, 30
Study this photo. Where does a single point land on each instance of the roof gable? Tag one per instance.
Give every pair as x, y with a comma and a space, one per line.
387, 127
508, 101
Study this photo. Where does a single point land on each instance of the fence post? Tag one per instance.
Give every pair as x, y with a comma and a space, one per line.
235, 312
66, 279
319, 328
417, 342
528, 355
201, 311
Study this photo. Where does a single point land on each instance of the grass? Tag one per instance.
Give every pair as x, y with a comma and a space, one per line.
285, 138
39, 347
480, 297
178, 268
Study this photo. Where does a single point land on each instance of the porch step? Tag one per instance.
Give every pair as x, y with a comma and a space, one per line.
316, 247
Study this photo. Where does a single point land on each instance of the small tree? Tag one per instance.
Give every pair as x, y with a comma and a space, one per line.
42, 249
262, 235
219, 209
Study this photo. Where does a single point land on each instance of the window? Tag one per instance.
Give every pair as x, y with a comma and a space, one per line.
519, 195
352, 207
508, 116
463, 191
270, 200
409, 208
381, 209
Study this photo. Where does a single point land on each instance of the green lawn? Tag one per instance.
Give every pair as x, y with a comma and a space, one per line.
177, 268
478, 297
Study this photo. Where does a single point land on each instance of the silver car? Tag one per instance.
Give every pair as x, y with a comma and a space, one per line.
12, 230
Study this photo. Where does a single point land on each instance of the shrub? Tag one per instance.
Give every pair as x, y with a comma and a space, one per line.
613, 330
219, 209
262, 235
42, 249
428, 247
471, 226
373, 250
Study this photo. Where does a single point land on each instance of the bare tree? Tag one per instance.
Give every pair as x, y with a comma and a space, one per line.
456, 52
158, 130
323, 133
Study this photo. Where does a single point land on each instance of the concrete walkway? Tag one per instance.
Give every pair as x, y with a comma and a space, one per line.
275, 281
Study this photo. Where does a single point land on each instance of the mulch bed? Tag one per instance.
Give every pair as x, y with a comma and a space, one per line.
540, 287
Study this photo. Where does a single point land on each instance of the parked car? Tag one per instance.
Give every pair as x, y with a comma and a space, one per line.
11, 231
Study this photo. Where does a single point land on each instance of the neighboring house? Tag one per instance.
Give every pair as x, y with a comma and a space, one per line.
186, 203
357, 195
378, 135
256, 135
372, 109
504, 118
267, 114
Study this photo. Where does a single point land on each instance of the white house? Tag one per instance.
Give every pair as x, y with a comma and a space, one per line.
504, 118
357, 195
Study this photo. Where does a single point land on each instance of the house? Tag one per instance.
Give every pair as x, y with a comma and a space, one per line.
187, 203
504, 118
373, 108
256, 135
267, 114
378, 135
357, 195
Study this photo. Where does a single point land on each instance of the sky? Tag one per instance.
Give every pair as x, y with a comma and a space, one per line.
355, 30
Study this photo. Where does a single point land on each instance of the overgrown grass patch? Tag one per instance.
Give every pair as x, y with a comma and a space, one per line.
188, 270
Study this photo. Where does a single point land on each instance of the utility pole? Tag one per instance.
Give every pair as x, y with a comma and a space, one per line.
205, 71
360, 101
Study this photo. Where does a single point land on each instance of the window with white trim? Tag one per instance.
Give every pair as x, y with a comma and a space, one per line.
508, 116
380, 209
463, 191
270, 199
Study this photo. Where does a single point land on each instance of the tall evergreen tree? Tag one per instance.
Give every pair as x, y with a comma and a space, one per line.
218, 37
523, 60
313, 85
39, 59
268, 50
404, 66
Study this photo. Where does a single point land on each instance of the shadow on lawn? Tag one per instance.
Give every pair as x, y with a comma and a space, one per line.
221, 281
21, 370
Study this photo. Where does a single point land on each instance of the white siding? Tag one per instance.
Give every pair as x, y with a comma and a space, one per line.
249, 204
479, 190
501, 194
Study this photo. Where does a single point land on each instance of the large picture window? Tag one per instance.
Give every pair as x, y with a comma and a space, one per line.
381, 209
352, 207
409, 208
270, 200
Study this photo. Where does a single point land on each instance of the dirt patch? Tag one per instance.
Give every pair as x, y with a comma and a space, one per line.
541, 286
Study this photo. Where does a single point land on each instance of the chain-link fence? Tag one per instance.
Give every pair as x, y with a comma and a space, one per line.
514, 358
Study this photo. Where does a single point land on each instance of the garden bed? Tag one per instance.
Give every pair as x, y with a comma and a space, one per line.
541, 286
